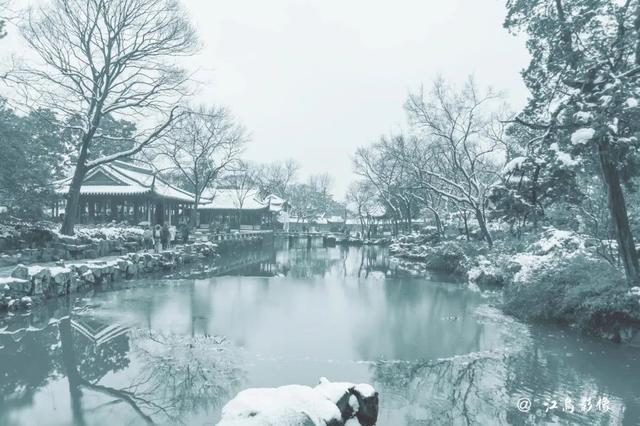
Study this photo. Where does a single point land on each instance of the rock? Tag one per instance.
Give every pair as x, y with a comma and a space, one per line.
20, 271
360, 401
26, 302
15, 285
285, 406
132, 269
329, 403
12, 305
88, 277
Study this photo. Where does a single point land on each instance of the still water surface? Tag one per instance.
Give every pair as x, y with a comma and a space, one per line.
175, 349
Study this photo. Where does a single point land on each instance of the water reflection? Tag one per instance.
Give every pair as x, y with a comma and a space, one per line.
173, 350
484, 388
105, 372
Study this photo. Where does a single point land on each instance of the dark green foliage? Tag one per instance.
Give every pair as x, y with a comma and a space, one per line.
32, 156
448, 257
121, 137
583, 292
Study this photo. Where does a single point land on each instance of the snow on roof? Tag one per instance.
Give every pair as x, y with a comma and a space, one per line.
335, 219
274, 202
121, 178
274, 199
233, 199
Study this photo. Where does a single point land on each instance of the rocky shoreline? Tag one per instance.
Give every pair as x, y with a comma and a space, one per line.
33, 284
40, 243
557, 278
29, 285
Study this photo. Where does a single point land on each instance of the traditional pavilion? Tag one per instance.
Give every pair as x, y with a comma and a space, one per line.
123, 192
232, 208
276, 204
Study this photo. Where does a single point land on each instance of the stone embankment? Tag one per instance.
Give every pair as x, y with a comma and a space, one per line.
39, 243
32, 284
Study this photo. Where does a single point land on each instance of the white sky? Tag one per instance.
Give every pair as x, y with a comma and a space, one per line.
315, 79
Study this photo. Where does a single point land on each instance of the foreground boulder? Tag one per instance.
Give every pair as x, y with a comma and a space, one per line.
329, 403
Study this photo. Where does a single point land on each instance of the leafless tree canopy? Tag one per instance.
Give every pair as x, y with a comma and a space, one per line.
277, 178
449, 161
202, 144
107, 57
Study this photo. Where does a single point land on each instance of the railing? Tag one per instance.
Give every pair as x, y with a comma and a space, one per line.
237, 235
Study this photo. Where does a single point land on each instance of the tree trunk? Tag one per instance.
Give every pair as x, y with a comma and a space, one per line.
534, 198
483, 227
73, 196
71, 368
619, 216
466, 226
73, 200
195, 218
438, 223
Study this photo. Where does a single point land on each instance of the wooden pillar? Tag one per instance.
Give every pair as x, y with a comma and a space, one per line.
135, 211
92, 210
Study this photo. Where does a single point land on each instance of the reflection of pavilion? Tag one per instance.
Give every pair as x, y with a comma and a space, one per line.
97, 332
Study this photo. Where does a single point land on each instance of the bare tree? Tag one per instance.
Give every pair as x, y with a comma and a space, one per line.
277, 178
457, 157
201, 145
242, 182
4, 5
384, 165
362, 197
107, 57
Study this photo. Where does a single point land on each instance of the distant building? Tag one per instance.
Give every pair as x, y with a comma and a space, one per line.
123, 192
240, 209
276, 204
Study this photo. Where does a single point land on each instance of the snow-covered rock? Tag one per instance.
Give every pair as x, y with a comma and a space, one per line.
291, 405
329, 403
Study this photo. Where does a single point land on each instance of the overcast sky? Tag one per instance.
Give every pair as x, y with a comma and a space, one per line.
315, 79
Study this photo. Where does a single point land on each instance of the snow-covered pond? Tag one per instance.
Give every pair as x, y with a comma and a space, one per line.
176, 350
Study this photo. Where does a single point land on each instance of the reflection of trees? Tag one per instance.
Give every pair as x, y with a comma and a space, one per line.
182, 374
483, 388
178, 374
373, 259
167, 377
465, 390
26, 364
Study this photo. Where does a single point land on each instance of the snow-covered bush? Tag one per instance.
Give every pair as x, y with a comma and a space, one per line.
553, 247
447, 257
559, 279
487, 272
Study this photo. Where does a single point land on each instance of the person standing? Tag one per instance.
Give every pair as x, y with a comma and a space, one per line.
165, 236
185, 233
147, 238
172, 236
157, 234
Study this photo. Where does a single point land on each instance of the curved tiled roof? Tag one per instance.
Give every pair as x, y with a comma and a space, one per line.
120, 178
231, 199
